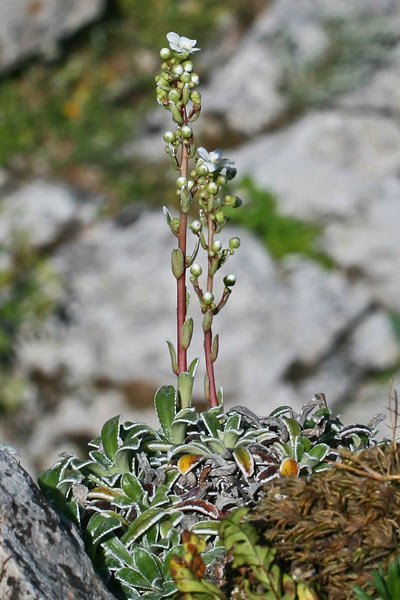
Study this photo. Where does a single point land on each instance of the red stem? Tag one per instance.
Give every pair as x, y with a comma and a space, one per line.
213, 400
181, 282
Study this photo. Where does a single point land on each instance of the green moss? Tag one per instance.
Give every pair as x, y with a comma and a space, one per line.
281, 234
356, 47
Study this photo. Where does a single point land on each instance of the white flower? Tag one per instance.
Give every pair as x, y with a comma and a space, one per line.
213, 160
181, 44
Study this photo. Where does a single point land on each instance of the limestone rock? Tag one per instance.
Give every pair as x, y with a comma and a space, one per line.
43, 213
374, 344
32, 27
325, 166
41, 556
369, 244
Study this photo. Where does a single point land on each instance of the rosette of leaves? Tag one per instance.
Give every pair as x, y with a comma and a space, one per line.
141, 487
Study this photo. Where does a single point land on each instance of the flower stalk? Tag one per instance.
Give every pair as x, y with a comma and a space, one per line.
203, 184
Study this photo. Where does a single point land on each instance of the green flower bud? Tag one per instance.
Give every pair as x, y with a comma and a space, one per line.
221, 180
181, 181
186, 199
175, 223
193, 174
185, 94
196, 270
236, 202
164, 66
174, 95
216, 246
202, 170
185, 77
234, 243
177, 69
177, 262
176, 113
187, 332
220, 217
165, 53
188, 66
229, 280
195, 97
195, 79
169, 137
187, 132
208, 298
195, 226
190, 183
212, 188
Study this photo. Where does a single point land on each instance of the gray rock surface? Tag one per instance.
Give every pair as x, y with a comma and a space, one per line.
44, 213
32, 27
41, 556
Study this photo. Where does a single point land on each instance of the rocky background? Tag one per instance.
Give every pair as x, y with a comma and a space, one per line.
305, 97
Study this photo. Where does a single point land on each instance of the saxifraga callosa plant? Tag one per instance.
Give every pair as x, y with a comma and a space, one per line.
140, 488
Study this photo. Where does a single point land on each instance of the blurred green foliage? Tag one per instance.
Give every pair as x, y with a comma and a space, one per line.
29, 291
281, 234
354, 49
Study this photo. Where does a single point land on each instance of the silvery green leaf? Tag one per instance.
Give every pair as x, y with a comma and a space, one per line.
96, 468
284, 450
191, 448
211, 422
95, 443
319, 451
142, 524
99, 526
233, 422
151, 536
114, 547
123, 460
206, 528
110, 437
165, 404
161, 498
281, 410
215, 445
172, 353
293, 427
133, 488
147, 564
72, 511
133, 579
298, 450
186, 415
185, 386
168, 588
231, 437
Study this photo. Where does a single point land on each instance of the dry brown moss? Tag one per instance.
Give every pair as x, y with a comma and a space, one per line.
336, 527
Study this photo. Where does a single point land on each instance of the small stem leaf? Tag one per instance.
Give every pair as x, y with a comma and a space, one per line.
215, 348
165, 404
185, 386
172, 353
110, 437
186, 200
221, 397
177, 262
167, 216
187, 332
190, 259
207, 321
206, 387
193, 366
